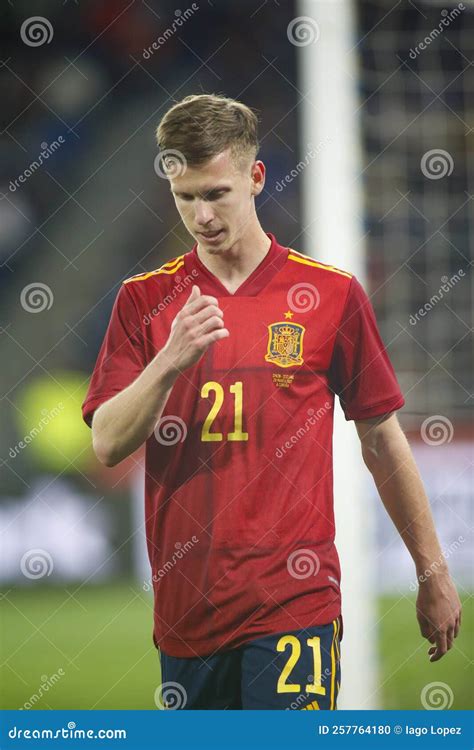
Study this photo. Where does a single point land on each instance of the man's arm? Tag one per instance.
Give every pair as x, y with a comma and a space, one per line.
388, 457
123, 423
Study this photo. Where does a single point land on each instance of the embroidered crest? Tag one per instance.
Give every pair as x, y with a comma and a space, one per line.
285, 344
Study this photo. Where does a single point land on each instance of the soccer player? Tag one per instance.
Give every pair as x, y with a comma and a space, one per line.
226, 362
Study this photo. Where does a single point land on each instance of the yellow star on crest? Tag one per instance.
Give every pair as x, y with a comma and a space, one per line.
288, 315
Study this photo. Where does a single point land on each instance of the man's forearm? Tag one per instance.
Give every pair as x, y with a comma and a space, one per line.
401, 489
124, 422
388, 457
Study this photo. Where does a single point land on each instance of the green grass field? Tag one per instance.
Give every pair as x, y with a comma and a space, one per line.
98, 644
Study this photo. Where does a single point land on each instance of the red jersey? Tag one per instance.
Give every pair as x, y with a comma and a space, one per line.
239, 486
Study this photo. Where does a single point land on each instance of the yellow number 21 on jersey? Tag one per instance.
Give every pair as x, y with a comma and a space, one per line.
237, 390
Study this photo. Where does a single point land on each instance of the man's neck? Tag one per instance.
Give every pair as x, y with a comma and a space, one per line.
235, 264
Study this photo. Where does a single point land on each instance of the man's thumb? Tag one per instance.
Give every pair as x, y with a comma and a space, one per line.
195, 293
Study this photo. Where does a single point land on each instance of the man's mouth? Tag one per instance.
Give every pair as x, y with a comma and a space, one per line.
211, 235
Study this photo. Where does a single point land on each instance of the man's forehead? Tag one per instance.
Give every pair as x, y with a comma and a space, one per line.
204, 178
211, 170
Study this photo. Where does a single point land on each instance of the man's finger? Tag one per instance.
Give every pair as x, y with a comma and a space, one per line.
441, 647
450, 637
193, 305
209, 311
211, 324
456, 628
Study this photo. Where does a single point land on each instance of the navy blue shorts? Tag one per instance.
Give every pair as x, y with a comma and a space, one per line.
293, 670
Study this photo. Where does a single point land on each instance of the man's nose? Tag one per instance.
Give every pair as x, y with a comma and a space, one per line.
203, 213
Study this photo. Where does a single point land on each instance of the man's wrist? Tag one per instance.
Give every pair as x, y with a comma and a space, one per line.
166, 373
431, 572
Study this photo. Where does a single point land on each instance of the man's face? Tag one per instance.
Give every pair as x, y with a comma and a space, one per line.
216, 200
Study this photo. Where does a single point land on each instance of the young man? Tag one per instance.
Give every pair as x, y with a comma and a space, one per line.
226, 361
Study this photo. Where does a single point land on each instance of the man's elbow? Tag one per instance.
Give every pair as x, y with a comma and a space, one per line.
370, 456
104, 449
386, 443
105, 453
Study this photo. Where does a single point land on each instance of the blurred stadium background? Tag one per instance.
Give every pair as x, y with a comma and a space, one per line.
76, 615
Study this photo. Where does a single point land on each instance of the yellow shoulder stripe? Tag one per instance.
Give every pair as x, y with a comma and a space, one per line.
307, 261
171, 267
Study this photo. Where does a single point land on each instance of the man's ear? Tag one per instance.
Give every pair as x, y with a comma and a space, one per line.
258, 177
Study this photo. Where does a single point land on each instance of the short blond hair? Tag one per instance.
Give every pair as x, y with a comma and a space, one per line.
201, 126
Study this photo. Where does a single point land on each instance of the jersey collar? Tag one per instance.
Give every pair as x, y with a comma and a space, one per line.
253, 284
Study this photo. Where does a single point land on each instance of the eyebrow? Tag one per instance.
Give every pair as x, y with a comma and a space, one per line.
203, 193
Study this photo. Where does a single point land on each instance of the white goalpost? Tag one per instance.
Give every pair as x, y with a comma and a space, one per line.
324, 33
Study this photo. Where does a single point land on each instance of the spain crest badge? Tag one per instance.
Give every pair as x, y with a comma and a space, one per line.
285, 344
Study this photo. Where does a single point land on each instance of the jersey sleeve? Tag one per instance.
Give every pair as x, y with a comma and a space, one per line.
121, 357
361, 372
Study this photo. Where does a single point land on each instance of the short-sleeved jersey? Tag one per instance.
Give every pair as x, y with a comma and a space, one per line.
239, 474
